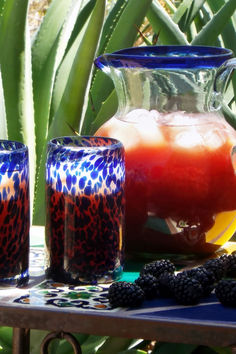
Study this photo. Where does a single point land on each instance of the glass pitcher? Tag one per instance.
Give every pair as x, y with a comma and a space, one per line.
179, 150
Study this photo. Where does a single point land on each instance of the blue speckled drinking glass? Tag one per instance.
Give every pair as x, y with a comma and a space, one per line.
14, 213
85, 209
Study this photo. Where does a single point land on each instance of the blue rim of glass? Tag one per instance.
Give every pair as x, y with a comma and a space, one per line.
79, 143
13, 156
165, 57
12, 147
69, 148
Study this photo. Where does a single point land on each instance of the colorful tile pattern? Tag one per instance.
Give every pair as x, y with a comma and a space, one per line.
54, 294
93, 298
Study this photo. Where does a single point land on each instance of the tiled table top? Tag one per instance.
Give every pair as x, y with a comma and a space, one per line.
45, 304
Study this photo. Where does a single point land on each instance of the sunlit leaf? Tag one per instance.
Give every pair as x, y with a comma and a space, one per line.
74, 96
190, 13
130, 13
228, 35
107, 109
66, 64
215, 26
72, 102
161, 21
16, 98
229, 115
181, 10
13, 54
48, 49
3, 121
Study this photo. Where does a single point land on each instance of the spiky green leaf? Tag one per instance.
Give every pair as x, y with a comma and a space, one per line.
74, 96
83, 15
67, 62
122, 20
70, 109
228, 35
107, 109
215, 26
170, 6
27, 110
162, 22
190, 13
3, 121
181, 10
16, 98
12, 55
230, 116
48, 50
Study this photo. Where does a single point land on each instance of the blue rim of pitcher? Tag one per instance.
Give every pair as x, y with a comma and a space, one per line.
166, 57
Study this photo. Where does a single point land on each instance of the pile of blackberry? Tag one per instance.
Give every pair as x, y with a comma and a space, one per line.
160, 279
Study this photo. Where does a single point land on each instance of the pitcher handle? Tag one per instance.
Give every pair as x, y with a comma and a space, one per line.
221, 79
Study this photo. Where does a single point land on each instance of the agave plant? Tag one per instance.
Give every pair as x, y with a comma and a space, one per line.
44, 82
199, 22
62, 103
48, 85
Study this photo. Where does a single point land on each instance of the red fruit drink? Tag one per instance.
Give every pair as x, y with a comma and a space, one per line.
180, 180
83, 235
14, 230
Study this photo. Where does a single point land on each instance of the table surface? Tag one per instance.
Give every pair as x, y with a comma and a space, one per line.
48, 305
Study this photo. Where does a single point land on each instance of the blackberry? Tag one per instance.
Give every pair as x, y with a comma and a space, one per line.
166, 281
157, 267
187, 291
231, 265
149, 284
125, 294
218, 267
205, 277
226, 292
225, 259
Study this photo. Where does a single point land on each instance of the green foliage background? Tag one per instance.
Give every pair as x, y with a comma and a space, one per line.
48, 82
